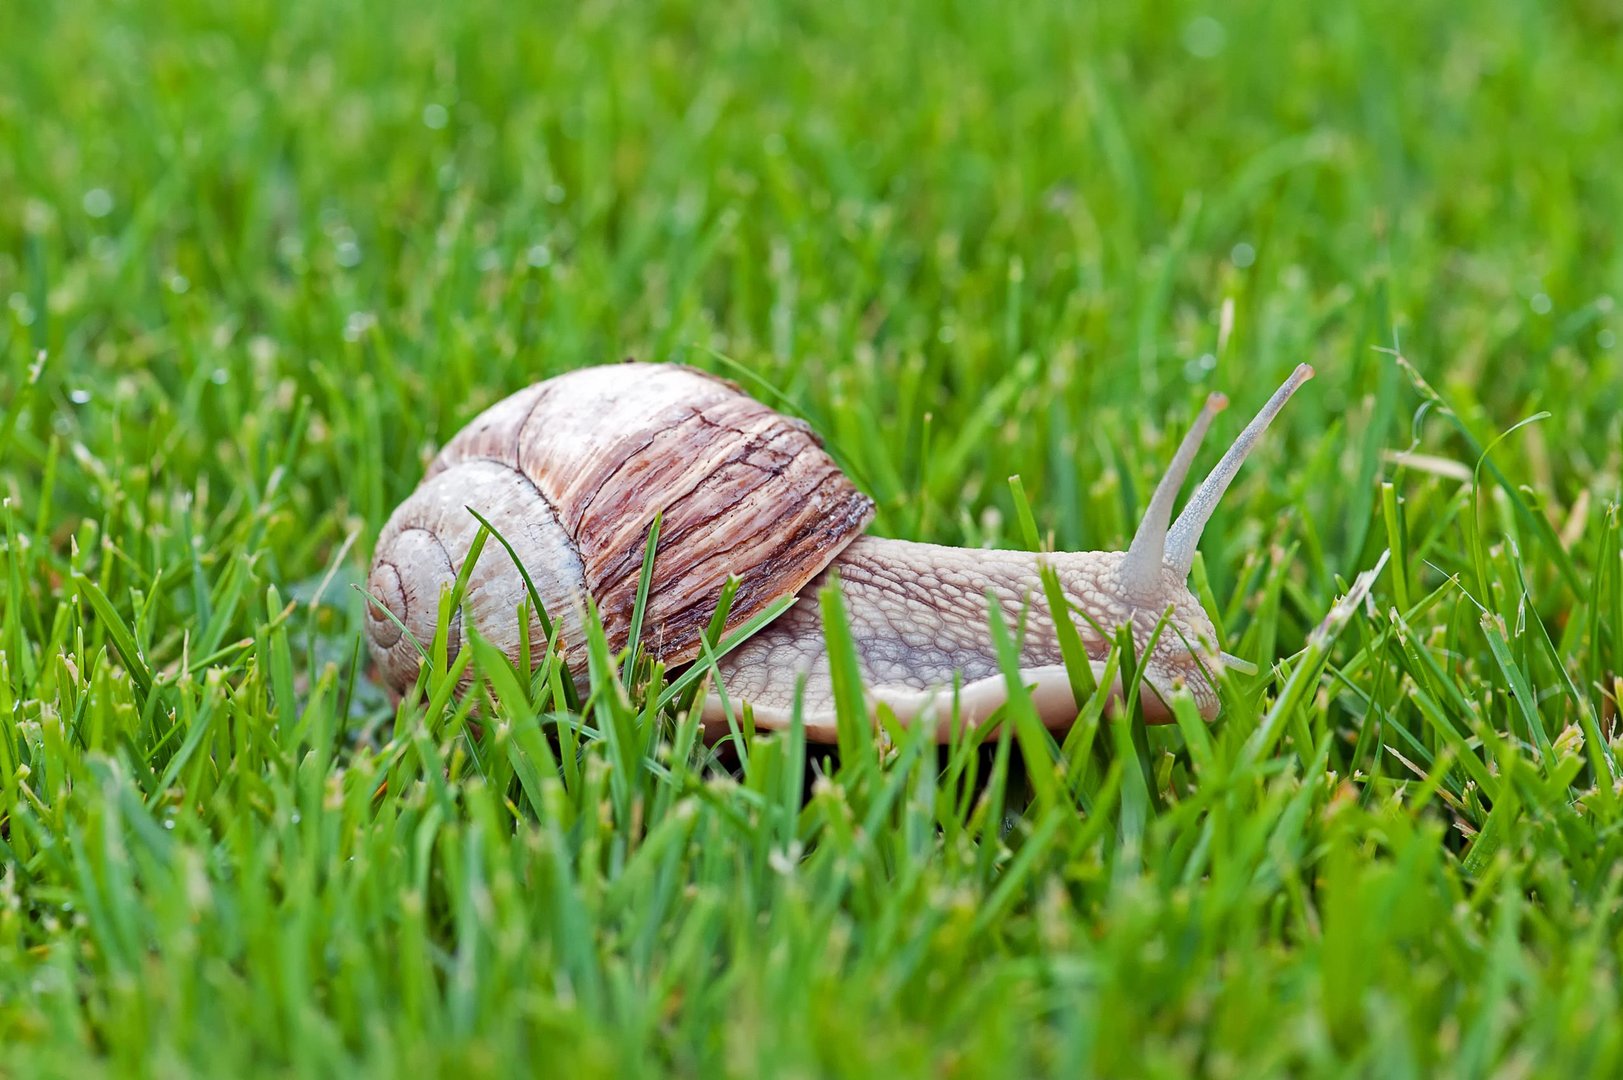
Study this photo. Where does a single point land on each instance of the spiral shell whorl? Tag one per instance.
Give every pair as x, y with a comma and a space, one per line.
421, 551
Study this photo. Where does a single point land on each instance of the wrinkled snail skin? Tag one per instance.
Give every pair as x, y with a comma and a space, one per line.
571, 472
919, 621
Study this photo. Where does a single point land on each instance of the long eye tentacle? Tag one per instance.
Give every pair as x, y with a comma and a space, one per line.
1141, 569
1184, 536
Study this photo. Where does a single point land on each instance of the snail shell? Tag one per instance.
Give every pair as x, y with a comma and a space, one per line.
571, 472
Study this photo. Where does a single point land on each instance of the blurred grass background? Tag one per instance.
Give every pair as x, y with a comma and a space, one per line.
259, 259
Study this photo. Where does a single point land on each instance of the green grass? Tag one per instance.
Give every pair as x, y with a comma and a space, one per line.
260, 258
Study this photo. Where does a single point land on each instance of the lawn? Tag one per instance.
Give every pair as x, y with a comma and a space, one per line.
259, 259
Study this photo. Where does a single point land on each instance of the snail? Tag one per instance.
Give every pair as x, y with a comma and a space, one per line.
571, 471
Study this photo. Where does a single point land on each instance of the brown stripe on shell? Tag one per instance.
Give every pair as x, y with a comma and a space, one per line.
744, 490
832, 532
697, 463
780, 515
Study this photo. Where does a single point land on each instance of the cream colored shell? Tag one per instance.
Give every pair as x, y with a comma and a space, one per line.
571, 471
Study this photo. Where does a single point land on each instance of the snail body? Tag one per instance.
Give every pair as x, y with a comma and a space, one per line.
571, 472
